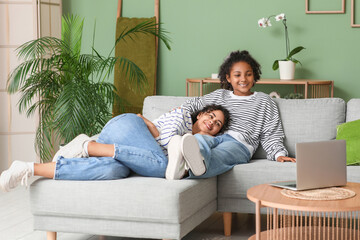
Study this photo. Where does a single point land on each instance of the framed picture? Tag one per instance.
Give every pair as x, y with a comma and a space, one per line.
339, 11
353, 14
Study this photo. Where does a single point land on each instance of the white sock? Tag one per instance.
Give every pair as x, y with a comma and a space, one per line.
85, 148
31, 166
114, 151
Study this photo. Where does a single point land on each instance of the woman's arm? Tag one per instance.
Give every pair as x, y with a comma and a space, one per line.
153, 130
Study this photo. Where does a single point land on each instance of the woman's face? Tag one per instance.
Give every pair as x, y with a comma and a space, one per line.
241, 78
209, 123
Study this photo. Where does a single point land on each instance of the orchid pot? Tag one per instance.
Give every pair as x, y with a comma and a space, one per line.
286, 70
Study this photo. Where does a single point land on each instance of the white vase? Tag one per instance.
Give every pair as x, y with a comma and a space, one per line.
286, 70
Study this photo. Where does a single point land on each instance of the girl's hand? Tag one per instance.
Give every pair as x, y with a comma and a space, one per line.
285, 159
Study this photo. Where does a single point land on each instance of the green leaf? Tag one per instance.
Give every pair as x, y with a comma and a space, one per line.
295, 51
275, 65
71, 33
146, 27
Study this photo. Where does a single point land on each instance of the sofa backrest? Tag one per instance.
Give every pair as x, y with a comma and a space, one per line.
304, 120
353, 110
307, 120
154, 106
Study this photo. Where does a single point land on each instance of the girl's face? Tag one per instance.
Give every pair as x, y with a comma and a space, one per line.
209, 123
241, 78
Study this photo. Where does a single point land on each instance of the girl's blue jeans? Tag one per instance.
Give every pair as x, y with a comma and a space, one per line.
221, 153
135, 149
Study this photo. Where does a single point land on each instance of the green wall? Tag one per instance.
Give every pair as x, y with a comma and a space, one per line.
203, 32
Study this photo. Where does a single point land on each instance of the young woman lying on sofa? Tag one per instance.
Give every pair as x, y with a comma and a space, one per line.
128, 142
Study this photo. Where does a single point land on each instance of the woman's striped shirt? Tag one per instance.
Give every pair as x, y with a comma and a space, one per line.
176, 122
254, 119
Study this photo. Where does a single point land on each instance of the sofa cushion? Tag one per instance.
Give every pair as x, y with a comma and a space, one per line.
350, 131
235, 183
136, 198
306, 120
353, 110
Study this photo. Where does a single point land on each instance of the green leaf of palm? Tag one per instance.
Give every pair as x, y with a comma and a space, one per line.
71, 34
146, 27
38, 48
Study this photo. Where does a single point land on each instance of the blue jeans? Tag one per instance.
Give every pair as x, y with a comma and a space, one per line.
221, 153
135, 149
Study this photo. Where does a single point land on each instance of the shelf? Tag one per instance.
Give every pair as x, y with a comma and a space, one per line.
310, 88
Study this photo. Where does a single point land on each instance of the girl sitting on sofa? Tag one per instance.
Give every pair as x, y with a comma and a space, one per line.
127, 142
255, 119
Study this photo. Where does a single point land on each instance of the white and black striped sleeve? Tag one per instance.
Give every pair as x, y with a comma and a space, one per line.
176, 122
272, 135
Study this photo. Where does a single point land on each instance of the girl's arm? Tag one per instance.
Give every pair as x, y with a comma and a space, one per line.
193, 104
153, 130
273, 134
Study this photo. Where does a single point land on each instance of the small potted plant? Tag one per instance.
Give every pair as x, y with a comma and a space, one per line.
287, 65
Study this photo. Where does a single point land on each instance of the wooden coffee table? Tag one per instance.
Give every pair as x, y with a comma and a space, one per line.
290, 218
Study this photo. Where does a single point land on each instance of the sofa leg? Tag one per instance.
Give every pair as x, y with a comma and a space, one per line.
50, 235
227, 216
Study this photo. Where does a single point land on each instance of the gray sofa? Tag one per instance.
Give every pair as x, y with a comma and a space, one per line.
157, 208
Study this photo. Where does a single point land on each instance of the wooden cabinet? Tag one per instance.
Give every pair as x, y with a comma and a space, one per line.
308, 87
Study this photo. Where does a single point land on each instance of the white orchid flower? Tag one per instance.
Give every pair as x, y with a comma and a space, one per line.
264, 22
280, 17
268, 23
261, 22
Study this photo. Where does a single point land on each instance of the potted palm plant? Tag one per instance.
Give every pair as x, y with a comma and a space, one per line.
68, 88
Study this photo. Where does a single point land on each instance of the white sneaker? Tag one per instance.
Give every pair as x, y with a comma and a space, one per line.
19, 172
73, 149
191, 151
176, 164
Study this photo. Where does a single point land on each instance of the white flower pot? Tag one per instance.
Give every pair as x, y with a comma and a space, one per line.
286, 70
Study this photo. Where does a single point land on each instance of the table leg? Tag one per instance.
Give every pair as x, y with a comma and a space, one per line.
275, 223
258, 220
51, 235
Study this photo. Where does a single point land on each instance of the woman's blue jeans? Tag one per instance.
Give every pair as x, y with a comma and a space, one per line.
221, 153
135, 149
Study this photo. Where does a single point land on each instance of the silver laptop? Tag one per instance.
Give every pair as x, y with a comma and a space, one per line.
318, 165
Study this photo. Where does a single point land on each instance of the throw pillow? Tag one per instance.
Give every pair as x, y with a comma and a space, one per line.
350, 132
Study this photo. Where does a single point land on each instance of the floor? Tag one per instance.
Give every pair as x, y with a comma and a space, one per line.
16, 223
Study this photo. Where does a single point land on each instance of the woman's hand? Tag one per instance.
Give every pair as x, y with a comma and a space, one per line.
285, 159
153, 130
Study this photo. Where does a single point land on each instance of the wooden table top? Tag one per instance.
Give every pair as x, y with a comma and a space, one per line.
270, 196
269, 81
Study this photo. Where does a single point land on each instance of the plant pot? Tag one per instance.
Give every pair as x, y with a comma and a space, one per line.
286, 70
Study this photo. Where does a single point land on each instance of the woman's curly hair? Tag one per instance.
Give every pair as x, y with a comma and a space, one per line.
235, 57
214, 107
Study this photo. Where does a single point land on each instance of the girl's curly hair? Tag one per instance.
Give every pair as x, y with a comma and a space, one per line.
235, 57
214, 107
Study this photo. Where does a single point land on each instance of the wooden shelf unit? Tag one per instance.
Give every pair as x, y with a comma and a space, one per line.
310, 88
